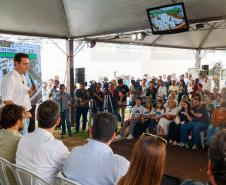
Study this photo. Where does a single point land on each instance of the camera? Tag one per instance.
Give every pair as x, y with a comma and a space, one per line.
105, 86
92, 88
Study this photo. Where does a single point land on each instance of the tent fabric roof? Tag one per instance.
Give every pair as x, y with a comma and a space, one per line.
88, 18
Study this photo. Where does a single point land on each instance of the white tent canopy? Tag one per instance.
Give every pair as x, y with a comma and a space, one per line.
111, 20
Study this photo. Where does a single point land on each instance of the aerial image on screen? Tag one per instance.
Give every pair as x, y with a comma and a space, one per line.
168, 18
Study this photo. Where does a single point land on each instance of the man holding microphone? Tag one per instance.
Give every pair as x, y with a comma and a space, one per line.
15, 89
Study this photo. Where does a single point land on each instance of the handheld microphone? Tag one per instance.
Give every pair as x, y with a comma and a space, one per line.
32, 82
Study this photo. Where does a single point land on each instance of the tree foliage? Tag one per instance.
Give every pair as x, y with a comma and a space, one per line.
216, 70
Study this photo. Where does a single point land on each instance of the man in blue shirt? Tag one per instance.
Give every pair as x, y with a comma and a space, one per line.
64, 101
95, 163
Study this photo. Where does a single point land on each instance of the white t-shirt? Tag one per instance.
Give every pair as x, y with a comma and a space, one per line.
159, 112
171, 111
15, 89
137, 111
146, 112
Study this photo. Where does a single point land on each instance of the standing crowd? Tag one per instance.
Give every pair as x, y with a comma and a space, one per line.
170, 109
178, 109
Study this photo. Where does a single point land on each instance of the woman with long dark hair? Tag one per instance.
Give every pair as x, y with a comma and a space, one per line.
147, 162
182, 89
174, 127
151, 91
157, 113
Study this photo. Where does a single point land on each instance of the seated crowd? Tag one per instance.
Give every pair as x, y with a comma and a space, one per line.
94, 163
179, 111
180, 116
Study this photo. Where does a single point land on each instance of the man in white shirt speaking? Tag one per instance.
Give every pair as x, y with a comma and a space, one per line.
95, 163
15, 89
39, 151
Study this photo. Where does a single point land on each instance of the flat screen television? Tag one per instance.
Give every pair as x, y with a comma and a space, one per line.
168, 19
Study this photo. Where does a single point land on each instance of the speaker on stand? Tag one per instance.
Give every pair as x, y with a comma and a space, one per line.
206, 68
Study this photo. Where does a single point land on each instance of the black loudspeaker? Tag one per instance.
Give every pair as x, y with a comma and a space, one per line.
205, 67
199, 26
80, 75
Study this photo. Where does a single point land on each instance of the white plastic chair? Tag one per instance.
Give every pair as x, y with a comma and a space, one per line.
64, 181
4, 164
27, 177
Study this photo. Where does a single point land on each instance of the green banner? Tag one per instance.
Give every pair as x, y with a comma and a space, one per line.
11, 55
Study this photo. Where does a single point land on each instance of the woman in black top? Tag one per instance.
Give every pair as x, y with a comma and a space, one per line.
151, 91
174, 127
182, 90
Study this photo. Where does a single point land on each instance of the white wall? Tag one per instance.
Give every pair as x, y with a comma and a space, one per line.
105, 59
